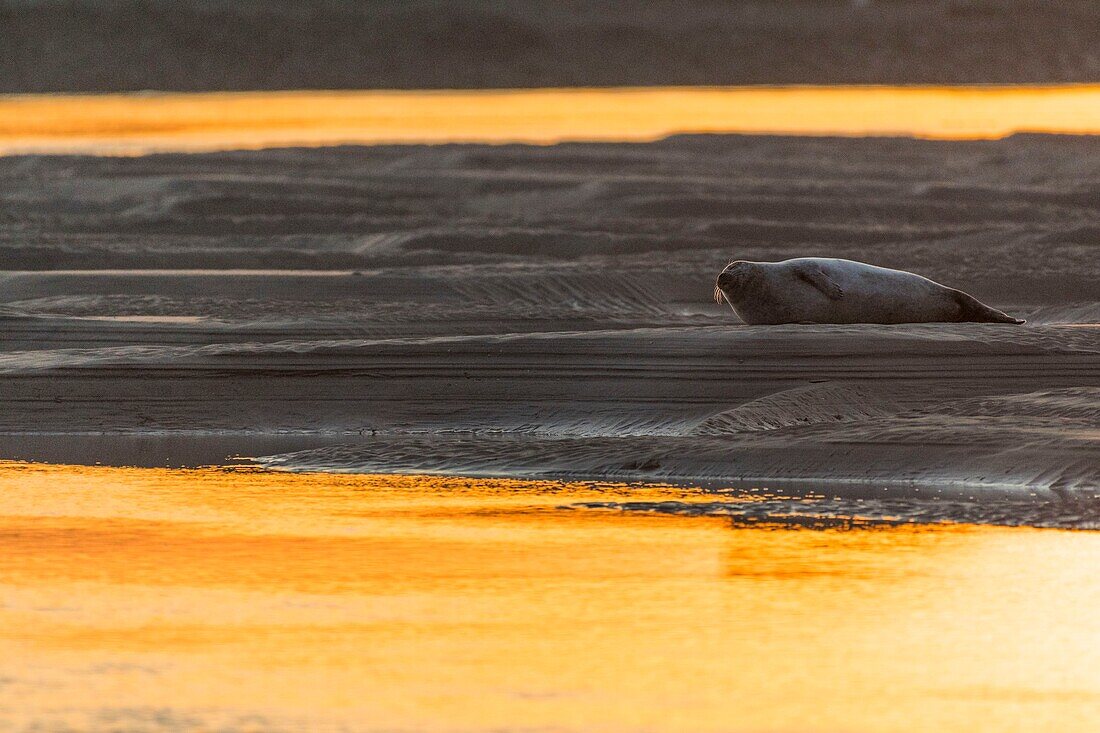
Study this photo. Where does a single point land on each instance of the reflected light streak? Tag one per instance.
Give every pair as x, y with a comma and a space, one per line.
141, 123
245, 600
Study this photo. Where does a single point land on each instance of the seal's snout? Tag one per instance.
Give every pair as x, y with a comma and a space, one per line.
731, 282
723, 286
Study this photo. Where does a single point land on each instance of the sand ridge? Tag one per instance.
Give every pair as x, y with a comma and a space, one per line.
134, 45
544, 311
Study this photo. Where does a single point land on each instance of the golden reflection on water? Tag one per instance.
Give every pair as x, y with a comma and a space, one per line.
137, 123
179, 600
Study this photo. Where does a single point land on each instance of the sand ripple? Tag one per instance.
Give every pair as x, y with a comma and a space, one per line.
544, 311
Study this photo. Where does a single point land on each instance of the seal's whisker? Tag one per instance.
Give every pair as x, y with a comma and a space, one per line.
720, 295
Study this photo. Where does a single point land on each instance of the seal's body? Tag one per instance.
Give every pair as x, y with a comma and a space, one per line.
828, 290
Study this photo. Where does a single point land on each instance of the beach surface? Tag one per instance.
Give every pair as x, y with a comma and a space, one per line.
212, 45
545, 311
163, 601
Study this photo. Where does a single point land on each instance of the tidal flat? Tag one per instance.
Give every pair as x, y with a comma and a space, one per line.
545, 312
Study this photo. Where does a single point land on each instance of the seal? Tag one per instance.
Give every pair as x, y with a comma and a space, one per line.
828, 290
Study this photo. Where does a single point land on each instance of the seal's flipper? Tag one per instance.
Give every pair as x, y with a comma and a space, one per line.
815, 276
973, 310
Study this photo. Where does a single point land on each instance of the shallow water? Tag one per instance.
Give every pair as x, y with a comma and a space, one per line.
141, 123
156, 600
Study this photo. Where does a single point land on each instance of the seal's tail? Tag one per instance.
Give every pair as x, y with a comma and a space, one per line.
973, 310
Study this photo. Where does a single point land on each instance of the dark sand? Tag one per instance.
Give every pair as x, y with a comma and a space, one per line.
193, 45
545, 311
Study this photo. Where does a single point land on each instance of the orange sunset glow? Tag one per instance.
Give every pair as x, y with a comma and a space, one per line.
452, 603
130, 124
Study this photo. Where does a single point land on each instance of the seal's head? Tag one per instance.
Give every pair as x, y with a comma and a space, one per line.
732, 281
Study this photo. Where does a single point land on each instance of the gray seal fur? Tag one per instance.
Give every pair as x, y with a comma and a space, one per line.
829, 290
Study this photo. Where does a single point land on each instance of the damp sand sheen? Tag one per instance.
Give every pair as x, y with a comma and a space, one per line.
152, 122
149, 599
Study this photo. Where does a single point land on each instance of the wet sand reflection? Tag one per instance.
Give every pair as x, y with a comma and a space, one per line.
141, 123
177, 600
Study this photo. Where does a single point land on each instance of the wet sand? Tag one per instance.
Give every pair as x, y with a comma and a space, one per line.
152, 600
545, 312
210, 45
